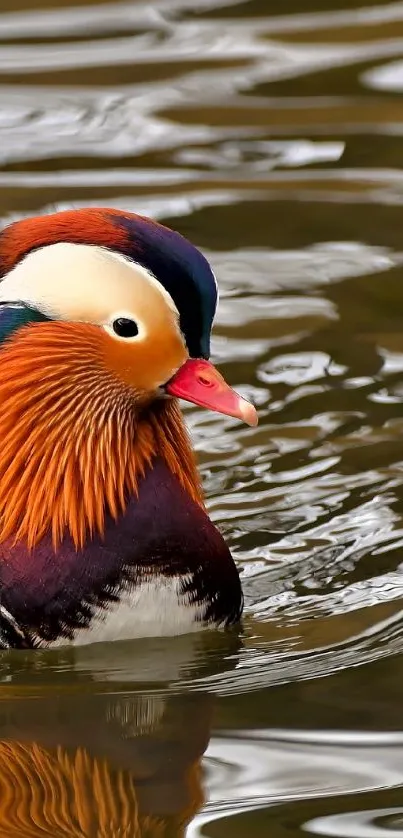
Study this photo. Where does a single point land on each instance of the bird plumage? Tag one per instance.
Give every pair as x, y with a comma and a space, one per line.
103, 530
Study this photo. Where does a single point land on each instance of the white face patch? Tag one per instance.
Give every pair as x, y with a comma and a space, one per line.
76, 282
149, 276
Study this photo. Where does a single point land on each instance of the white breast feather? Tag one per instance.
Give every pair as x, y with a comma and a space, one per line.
154, 608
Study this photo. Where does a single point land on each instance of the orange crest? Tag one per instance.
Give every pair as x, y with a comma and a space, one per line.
90, 225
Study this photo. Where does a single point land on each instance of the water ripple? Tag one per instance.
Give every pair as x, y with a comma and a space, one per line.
273, 140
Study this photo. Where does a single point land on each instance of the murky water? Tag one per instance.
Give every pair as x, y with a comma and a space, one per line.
271, 134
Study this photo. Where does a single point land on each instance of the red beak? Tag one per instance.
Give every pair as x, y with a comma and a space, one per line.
199, 382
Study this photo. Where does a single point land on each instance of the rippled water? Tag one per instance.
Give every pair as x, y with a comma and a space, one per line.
271, 134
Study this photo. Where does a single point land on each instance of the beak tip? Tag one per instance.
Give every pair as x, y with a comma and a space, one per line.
198, 382
248, 413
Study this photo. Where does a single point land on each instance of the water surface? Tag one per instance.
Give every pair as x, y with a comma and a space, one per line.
271, 134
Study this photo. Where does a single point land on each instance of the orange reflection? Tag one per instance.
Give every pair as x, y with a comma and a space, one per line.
134, 777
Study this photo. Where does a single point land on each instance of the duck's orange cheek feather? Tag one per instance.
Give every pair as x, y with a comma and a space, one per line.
146, 363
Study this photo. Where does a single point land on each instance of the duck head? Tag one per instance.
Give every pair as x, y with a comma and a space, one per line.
103, 315
152, 293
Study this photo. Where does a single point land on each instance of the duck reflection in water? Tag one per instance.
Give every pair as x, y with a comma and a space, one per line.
89, 767
106, 760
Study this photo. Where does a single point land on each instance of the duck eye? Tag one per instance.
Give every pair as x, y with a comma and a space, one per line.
125, 327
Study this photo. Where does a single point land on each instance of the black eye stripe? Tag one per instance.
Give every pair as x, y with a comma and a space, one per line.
125, 327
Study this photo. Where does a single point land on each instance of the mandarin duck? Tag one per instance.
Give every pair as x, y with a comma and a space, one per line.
105, 321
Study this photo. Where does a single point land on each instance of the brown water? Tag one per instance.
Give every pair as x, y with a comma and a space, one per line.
270, 132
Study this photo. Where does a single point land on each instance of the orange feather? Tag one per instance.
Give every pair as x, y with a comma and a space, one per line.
76, 438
